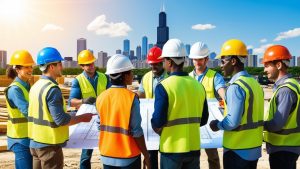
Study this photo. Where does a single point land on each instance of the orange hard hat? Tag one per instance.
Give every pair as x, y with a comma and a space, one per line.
276, 52
22, 58
86, 57
154, 54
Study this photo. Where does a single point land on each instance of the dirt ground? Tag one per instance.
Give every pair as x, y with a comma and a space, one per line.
72, 157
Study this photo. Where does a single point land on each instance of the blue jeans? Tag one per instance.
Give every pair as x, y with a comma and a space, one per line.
233, 161
23, 158
179, 162
85, 159
134, 165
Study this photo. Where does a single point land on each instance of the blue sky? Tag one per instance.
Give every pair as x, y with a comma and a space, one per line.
59, 23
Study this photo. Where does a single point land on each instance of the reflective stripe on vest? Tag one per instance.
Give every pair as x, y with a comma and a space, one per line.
87, 90
289, 135
182, 131
148, 84
251, 125
41, 127
114, 105
17, 122
208, 82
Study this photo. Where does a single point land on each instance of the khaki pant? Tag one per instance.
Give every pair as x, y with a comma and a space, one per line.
213, 158
48, 157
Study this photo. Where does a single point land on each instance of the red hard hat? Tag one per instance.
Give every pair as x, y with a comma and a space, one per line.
276, 52
154, 54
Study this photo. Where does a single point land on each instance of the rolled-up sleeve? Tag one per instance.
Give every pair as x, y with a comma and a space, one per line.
219, 82
55, 105
75, 91
136, 119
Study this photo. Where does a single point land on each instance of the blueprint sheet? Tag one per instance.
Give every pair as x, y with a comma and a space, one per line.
85, 135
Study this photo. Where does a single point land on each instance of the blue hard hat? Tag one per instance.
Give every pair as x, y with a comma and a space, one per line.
48, 55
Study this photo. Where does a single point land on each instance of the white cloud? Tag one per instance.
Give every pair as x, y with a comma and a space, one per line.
261, 49
51, 27
288, 34
202, 27
264, 40
101, 27
250, 47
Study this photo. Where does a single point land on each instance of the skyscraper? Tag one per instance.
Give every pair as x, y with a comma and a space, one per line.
138, 53
81, 45
150, 46
298, 61
293, 61
126, 47
162, 29
144, 47
102, 59
3, 59
252, 60
118, 51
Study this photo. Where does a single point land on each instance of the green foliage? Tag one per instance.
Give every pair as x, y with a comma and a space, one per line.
295, 71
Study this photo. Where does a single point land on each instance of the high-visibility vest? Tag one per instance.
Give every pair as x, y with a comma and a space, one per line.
289, 135
208, 82
148, 84
87, 90
17, 122
41, 127
186, 99
114, 107
251, 125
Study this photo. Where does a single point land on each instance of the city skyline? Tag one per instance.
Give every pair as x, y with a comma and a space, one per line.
34, 25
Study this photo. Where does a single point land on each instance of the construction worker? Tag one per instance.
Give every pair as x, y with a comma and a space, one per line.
148, 85
213, 83
121, 135
16, 95
244, 107
282, 134
47, 118
180, 109
85, 89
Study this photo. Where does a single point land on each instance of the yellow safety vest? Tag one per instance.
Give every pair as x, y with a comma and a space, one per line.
289, 135
87, 90
186, 99
41, 127
148, 84
249, 133
208, 83
17, 122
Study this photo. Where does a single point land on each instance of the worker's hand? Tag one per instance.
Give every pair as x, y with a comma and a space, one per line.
214, 125
89, 100
146, 163
86, 117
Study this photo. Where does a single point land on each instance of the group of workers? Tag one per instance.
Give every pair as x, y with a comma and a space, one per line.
38, 122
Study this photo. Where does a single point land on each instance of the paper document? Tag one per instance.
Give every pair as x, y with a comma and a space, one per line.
85, 135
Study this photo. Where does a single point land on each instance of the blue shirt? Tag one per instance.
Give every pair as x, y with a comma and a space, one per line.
235, 98
161, 105
286, 100
75, 88
54, 103
17, 100
156, 80
136, 131
218, 79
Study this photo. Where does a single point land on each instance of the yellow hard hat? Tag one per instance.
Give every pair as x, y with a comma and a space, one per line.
22, 58
85, 57
233, 47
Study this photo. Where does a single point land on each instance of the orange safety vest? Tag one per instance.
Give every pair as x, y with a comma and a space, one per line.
115, 140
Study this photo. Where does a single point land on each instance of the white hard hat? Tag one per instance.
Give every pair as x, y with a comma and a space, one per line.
117, 64
173, 48
199, 50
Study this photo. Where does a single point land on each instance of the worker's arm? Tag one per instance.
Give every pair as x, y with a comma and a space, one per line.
286, 100
141, 90
235, 99
136, 130
219, 85
161, 104
75, 98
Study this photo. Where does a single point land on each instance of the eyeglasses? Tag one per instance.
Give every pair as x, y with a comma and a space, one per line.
225, 60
